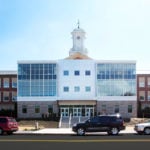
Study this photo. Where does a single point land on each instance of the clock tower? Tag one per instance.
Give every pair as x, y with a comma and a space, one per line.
78, 37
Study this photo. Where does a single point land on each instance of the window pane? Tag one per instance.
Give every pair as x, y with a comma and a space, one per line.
66, 89
129, 108
76, 73
66, 73
76, 88
87, 88
116, 109
6, 83
37, 109
87, 73
24, 109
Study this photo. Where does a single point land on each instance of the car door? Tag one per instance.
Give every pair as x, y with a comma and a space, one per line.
92, 124
103, 123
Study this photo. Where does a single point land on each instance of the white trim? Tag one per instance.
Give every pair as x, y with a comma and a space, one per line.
8, 72
31, 99
36, 61
117, 98
116, 61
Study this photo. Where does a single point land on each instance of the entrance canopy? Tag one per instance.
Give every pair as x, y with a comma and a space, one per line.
76, 102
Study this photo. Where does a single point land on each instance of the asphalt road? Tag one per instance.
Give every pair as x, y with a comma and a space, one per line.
65, 142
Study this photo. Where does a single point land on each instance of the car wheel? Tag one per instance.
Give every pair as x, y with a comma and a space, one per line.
109, 132
1, 131
80, 131
140, 133
114, 131
9, 132
147, 130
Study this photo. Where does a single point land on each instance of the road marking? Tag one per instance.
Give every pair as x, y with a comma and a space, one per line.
78, 141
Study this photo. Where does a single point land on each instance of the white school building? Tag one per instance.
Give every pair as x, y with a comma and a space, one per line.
77, 85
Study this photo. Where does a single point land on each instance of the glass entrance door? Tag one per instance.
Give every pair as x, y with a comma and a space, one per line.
64, 111
77, 111
89, 111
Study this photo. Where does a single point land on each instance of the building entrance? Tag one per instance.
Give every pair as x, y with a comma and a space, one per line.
64, 111
89, 112
77, 111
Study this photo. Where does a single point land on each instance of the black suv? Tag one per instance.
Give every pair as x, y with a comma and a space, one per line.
111, 124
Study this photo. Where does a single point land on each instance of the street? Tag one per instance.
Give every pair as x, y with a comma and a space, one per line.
44, 142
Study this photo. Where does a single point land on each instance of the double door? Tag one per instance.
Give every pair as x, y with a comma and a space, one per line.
77, 111
64, 111
89, 111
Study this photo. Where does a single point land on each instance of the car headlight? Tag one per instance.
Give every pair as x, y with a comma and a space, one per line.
74, 125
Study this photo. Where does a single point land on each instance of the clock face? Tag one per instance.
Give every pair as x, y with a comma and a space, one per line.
78, 37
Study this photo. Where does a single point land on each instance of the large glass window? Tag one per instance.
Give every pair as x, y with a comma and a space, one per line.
116, 79
37, 80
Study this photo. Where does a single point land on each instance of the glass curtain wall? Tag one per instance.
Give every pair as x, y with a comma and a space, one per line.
37, 79
116, 79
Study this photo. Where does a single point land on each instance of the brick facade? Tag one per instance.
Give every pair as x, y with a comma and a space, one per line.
123, 108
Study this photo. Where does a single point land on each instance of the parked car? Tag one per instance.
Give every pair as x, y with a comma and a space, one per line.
143, 128
112, 124
8, 125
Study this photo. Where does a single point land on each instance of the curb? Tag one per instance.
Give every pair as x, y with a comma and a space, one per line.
93, 133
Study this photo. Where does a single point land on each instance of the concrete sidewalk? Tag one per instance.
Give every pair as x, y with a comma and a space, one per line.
128, 130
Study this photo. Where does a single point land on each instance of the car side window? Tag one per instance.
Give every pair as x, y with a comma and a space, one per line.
3, 120
112, 119
94, 120
104, 119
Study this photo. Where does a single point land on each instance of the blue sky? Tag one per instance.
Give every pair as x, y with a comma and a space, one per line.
40, 30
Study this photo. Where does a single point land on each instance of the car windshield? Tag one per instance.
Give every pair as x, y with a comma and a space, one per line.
12, 120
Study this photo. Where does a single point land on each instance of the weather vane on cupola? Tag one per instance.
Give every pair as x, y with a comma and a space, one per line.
78, 24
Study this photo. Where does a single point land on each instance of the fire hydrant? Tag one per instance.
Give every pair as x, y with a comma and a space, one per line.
36, 125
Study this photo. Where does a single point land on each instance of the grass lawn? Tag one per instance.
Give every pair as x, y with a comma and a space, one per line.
30, 124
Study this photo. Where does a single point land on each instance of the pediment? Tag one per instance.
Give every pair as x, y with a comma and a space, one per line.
78, 56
